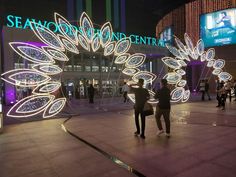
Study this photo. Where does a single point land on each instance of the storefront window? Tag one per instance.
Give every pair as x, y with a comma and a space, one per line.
68, 66
78, 63
87, 62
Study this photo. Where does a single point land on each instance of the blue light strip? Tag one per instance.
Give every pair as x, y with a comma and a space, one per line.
116, 14
79, 8
123, 19
70, 9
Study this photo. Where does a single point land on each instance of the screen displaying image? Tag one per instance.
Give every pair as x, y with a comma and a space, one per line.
166, 37
218, 28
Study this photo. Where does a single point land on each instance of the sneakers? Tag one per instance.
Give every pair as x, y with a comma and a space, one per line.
142, 136
136, 133
159, 132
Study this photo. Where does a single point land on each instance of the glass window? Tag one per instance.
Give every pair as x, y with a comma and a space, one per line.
68, 66
87, 62
78, 63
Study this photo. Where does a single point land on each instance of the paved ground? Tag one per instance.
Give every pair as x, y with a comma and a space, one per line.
202, 143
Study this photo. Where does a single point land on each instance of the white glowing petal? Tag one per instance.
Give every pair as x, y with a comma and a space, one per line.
182, 63
130, 71
173, 50
195, 54
25, 77
224, 76
31, 52
200, 47
177, 94
54, 108
69, 45
219, 64
148, 77
183, 56
106, 34
66, 28
210, 63
186, 96
180, 72
135, 60
131, 82
172, 77
83, 42
87, 27
48, 87
95, 43
171, 62
47, 36
203, 57
216, 71
189, 43
152, 100
131, 97
181, 83
181, 46
122, 58
122, 46
210, 54
58, 55
109, 48
30, 106
48, 69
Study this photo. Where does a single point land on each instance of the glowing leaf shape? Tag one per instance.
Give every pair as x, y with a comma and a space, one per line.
87, 27
109, 48
200, 47
186, 96
173, 50
31, 52
203, 57
106, 34
216, 71
148, 77
195, 54
122, 46
135, 60
25, 77
54, 108
210, 63
224, 76
47, 36
48, 69
171, 62
210, 54
66, 28
189, 43
95, 43
48, 87
131, 97
183, 56
172, 77
83, 42
69, 45
181, 46
30, 106
130, 71
182, 63
152, 100
180, 72
58, 55
122, 59
181, 83
177, 94
219, 64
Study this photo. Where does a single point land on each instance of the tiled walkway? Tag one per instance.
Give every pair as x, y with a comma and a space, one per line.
202, 144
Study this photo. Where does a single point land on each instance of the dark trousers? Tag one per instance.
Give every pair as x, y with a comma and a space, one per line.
222, 100
137, 113
166, 116
203, 95
125, 96
90, 99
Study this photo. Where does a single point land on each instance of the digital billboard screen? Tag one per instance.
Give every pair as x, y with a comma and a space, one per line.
218, 28
166, 36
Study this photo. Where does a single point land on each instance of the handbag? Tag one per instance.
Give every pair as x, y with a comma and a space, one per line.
148, 109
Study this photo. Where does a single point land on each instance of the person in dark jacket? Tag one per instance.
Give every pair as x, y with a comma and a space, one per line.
141, 96
91, 93
163, 108
207, 87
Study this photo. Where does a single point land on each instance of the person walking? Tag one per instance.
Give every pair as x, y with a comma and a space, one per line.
228, 86
163, 107
207, 87
141, 96
202, 89
125, 90
218, 87
222, 95
234, 86
91, 93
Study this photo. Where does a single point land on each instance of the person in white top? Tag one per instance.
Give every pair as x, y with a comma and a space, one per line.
125, 90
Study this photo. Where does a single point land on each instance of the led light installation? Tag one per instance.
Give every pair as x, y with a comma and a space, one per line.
43, 72
182, 55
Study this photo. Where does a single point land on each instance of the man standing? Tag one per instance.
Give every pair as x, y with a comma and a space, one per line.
163, 108
125, 89
141, 96
207, 86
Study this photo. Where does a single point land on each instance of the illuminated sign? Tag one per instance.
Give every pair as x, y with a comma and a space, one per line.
24, 23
